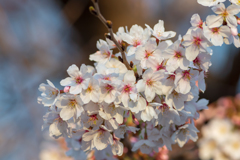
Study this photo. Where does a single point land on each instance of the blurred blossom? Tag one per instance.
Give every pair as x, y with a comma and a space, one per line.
219, 138
53, 150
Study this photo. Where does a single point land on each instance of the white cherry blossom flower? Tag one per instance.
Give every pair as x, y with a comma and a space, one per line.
93, 120
136, 37
109, 91
233, 38
224, 14
177, 100
104, 53
215, 35
50, 93
166, 115
71, 107
184, 133
117, 147
196, 22
183, 79
194, 43
128, 89
150, 84
158, 31
202, 61
57, 126
101, 138
137, 106
159, 64
78, 80
109, 121
149, 113
114, 63
176, 57
92, 92
209, 3
148, 53
114, 111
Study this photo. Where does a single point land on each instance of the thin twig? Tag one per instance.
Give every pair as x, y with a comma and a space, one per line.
108, 24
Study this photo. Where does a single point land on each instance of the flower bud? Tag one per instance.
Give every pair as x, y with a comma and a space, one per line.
92, 10
120, 59
234, 31
108, 36
131, 64
124, 46
109, 24
66, 89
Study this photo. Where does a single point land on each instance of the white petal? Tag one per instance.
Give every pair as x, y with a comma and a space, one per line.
214, 21
67, 113
141, 85
192, 52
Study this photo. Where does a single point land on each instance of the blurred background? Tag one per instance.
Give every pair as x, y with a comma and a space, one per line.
39, 39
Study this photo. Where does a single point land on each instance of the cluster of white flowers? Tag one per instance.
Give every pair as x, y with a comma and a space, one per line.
220, 141
161, 89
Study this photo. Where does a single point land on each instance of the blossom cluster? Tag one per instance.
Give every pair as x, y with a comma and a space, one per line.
221, 140
159, 93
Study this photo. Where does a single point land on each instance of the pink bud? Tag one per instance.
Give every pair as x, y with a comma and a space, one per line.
66, 89
234, 31
136, 121
133, 139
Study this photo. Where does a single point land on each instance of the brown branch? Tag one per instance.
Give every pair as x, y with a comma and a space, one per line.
108, 24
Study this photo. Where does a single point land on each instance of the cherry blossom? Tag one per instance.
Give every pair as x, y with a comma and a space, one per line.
78, 79
224, 14
104, 53
50, 94
195, 43
159, 31
209, 3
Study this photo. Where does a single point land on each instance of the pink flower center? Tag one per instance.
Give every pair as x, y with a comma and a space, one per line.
147, 54
186, 75
149, 82
197, 61
106, 54
161, 66
93, 117
109, 88
172, 77
164, 107
72, 103
200, 24
197, 41
107, 78
215, 30
178, 55
225, 14
136, 43
127, 88
79, 80
175, 94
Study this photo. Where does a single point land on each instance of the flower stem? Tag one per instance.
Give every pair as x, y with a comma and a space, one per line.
108, 24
